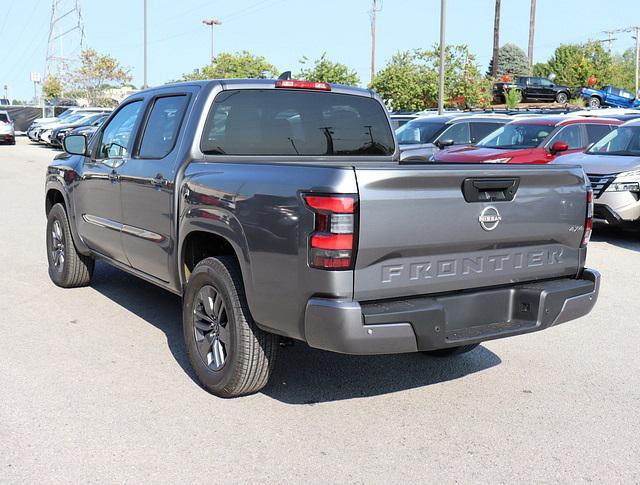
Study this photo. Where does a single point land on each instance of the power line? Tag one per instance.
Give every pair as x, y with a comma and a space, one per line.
6, 17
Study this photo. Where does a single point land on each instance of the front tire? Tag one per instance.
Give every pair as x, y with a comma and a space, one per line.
230, 355
594, 102
562, 98
67, 267
463, 349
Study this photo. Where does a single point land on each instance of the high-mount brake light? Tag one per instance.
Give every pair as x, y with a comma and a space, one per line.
292, 84
332, 244
588, 224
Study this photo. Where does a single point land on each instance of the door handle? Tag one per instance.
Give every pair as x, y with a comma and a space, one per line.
489, 190
159, 181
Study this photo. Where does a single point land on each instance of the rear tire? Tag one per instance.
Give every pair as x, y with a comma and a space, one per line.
463, 349
67, 267
230, 355
594, 102
562, 98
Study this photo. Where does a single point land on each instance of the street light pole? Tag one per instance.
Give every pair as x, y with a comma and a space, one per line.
212, 23
637, 57
443, 18
145, 83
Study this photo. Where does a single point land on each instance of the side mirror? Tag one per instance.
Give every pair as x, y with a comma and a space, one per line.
441, 144
75, 145
559, 146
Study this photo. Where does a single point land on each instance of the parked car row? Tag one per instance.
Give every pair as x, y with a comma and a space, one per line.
7, 129
52, 131
606, 143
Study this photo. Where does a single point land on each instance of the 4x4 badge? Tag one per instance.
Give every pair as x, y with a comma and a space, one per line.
489, 218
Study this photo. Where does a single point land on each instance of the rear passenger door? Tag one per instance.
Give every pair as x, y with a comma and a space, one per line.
147, 186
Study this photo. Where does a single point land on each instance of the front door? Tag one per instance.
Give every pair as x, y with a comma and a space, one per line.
97, 195
147, 182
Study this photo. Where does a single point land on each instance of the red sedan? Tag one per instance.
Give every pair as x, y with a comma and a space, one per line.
532, 140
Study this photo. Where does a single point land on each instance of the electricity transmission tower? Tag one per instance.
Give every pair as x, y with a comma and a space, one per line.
66, 35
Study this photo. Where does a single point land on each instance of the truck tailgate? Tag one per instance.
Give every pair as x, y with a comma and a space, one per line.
420, 234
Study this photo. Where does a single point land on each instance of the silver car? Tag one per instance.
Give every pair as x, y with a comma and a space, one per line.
420, 138
613, 167
7, 129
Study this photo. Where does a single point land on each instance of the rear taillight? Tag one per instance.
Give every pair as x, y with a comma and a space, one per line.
281, 83
332, 243
588, 224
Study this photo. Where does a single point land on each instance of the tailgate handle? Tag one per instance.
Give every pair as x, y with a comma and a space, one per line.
490, 190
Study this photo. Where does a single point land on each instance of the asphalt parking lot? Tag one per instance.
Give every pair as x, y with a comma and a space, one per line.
95, 387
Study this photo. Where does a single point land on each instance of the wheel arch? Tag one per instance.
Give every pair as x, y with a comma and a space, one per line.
54, 194
199, 243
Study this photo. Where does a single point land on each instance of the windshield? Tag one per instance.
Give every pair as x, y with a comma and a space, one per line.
419, 131
73, 119
621, 141
515, 136
4, 118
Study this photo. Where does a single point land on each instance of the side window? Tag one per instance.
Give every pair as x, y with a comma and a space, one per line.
534, 81
161, 130
117, 136
459, 133
571, 135
596, 132
480, 130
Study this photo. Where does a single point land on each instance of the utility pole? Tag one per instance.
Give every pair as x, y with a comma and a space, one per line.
443, 47
637, 37
496, 40
532, 30
145, 83
212, 23
610, 38
374, 10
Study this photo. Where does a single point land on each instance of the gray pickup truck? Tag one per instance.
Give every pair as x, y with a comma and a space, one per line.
280, 208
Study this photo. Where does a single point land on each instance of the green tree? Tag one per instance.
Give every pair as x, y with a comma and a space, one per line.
623, 75
409, 81
573, 64
239, 65
96, 73
325, 71
511, 60
52, 88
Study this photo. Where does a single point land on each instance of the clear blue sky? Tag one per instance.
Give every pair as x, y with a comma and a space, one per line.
285, 30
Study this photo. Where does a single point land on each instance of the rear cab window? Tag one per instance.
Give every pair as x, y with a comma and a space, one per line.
279, 122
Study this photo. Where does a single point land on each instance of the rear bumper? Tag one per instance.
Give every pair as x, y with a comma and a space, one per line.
449, 320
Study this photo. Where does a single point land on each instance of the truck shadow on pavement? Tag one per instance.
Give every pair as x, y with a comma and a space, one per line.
623, 239
302, 375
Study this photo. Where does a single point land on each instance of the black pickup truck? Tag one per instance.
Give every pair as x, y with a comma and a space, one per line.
533, 89
281, 208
